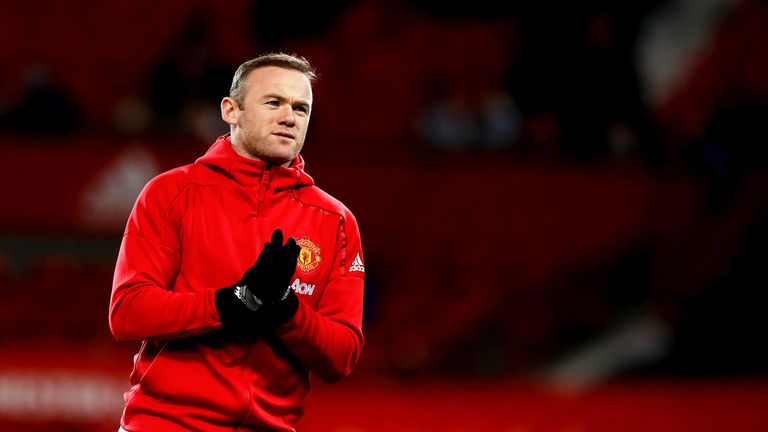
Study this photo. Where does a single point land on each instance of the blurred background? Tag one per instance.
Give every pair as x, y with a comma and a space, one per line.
563, 204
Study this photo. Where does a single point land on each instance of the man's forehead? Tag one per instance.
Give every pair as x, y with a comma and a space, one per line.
280, 81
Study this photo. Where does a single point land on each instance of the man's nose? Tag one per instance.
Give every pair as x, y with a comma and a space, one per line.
287, 116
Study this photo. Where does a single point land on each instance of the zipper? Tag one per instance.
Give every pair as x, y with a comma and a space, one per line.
263, 186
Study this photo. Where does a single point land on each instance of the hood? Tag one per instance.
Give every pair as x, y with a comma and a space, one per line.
245, 171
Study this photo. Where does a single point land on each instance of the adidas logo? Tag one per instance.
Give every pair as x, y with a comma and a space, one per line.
357, 264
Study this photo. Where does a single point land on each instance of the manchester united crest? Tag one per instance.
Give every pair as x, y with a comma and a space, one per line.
309, 257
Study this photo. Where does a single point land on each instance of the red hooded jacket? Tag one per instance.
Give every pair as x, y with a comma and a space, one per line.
198, 228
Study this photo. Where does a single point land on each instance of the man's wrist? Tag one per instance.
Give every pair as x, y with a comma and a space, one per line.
245, 309
281, 311
249, 300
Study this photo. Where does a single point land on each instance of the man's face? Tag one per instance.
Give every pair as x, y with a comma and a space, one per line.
272, 122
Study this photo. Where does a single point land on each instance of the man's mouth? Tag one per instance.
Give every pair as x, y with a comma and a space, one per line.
284, 134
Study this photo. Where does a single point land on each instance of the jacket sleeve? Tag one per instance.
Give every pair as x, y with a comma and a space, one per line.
329, 341
143, 304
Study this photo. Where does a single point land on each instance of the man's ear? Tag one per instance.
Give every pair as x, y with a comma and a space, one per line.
229, 110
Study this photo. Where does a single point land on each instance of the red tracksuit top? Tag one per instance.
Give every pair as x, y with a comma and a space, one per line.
198, 228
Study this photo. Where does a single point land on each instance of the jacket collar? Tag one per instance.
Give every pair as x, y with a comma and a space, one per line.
250, 172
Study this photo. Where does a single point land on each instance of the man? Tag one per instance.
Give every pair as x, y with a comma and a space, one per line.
232, 320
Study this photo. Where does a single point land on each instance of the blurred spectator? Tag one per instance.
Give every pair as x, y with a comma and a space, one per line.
186, 86
372, 46
132, 115
45, 107
458, 121
470, 107
577, 64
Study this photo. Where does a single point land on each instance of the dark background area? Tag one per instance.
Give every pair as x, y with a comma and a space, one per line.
563, 205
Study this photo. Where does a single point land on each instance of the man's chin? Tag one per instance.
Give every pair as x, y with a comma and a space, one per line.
274, 157
280, 160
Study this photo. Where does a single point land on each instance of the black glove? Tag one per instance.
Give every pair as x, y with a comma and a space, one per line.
263, 293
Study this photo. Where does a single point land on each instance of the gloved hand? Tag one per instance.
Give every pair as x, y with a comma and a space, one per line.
263, 293
269, 278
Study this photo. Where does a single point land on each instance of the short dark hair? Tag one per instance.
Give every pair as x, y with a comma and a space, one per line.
282, 60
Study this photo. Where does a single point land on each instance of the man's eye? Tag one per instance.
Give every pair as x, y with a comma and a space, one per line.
301, 109
273, 103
